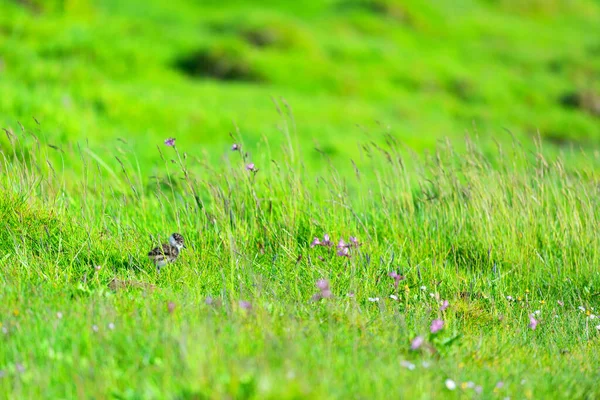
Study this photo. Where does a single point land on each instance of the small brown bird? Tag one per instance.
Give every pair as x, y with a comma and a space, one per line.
167, 252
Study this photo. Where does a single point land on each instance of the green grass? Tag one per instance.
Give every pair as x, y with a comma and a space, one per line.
382, 92
103, 70
469, 228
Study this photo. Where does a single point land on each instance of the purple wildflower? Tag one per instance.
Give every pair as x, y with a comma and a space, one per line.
532, 322
250, 167
235, 147
315, 242
417, 343
170, 142
342, 244
323, 284
354, 241
325, 291
436, 325
396, 277
246, 305
326, 240
208, 301
445, 305
343, 252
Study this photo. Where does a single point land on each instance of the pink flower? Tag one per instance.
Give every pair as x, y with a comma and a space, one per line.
170, 142
324, 290
315, 242
250, 167
354, 241
235, 147
343, 252
445, 305
396, 277
436, 325
323, 284
532, 322
326, 240
342, 244
417, 342
245, 305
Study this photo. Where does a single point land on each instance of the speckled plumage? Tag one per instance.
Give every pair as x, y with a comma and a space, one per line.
167, 252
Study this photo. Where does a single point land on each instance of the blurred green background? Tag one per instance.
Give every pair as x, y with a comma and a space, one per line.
351, 70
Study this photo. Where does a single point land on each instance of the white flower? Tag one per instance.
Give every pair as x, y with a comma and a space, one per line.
408, 365
111, 326
598, 327
509, 298
581, 308
373, 299
426, 364
423, 288
450, 384
470, 384
537, 312
523, 381
59, 315
393, 297
592, 316
431, 294
95, 328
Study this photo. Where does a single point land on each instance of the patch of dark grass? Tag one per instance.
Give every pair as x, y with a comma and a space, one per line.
584, 100
226, 62
383, 8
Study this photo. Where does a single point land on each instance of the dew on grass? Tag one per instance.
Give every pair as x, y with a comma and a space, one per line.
170, 142
436, 325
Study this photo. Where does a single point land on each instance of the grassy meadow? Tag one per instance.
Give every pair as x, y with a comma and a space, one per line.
411, 209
